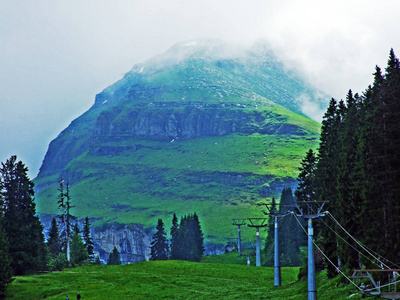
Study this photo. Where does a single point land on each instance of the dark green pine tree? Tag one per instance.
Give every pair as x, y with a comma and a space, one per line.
113, 258
183, 239
79, 253
174, 254
21, 224
89, 245
291, 235
75, 229
54, 241
379, 144
373, 184
391, 116
305, 191
5, 259
383, 146
198, 239
325, 174
159, 244
328, 155
348, 182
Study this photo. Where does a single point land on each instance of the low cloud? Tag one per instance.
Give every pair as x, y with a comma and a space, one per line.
311, 108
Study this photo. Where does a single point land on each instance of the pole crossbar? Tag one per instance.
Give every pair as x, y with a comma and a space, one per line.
238, 223
279, 212
310, 206
312, 210
257, 223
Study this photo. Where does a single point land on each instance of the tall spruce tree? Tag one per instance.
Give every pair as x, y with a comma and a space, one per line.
5, 259
174, 247
21, 224
306, 181
347, 182
113, 258
326, 173
291, 236
198, 238
89, 245
54, 241
159, 244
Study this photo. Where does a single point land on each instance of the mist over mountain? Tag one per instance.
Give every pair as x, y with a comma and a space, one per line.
206, 126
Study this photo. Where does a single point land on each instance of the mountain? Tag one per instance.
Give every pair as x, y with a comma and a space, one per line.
205, 127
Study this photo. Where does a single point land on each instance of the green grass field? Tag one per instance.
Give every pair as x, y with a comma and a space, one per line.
174, 280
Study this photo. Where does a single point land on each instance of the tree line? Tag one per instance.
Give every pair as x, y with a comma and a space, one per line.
357, 169
187, 240
23, 248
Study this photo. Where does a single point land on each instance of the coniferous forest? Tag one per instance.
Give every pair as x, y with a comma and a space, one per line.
357, 169
187, 240
23, 248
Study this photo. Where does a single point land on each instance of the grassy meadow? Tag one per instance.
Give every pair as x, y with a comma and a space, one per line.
216, 277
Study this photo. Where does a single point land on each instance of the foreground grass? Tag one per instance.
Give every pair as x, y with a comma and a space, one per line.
172, 280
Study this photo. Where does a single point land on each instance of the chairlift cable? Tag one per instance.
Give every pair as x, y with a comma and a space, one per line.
327, 258
359, 243
354, 248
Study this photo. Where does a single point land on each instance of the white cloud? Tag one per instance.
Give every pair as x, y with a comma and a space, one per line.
56, 55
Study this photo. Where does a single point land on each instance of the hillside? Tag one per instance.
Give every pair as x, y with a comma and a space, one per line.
199, 128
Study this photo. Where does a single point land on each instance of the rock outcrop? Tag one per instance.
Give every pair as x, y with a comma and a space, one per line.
130, 240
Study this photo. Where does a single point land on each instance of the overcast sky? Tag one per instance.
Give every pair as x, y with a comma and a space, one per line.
55, 56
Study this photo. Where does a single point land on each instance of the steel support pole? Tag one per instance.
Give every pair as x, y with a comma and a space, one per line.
258, 260
312, 289
277, 265
239, 240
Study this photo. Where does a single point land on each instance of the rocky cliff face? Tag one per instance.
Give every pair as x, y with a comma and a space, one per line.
187, 121
131, 242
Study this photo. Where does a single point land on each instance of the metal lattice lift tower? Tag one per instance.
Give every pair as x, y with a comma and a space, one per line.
257, 223
277, 265
311, 210
238, 223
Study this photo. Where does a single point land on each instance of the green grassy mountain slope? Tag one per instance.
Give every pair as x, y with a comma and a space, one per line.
199, 128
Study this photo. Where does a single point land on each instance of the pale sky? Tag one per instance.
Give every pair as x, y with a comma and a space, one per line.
55, 56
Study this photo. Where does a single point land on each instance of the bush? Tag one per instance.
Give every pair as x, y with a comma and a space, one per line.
58, 262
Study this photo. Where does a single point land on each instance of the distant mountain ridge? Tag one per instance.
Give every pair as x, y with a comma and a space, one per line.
202, 125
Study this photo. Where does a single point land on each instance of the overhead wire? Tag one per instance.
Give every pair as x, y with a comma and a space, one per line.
327, 258
354, 248
365, 248
369, 251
